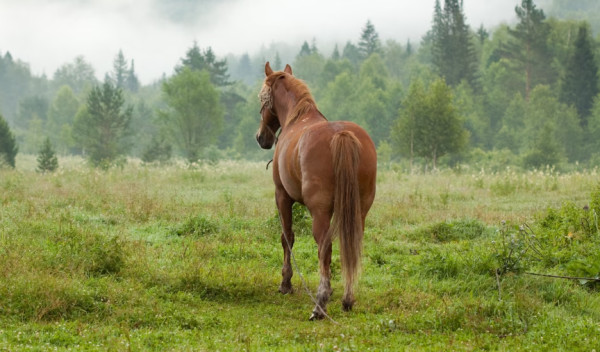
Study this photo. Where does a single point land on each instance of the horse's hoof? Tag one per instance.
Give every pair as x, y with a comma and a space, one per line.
285, 289
347, 306
316, 316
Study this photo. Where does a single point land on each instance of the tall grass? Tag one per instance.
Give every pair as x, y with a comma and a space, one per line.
189, 258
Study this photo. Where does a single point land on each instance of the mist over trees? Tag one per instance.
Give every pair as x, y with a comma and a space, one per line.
523, 94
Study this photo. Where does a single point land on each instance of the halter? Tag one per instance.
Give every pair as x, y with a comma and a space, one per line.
266, 100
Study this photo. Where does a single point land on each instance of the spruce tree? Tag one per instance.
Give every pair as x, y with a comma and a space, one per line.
47, 160
103, 128
369, 41
304, 50
452, 50
8, 145
277, 65
336, 53
120, 70
133, 83
197, 60
580, 85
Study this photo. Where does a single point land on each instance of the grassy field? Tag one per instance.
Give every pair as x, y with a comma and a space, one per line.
178, 258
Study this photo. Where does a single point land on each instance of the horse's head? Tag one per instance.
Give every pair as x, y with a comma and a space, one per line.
269, 121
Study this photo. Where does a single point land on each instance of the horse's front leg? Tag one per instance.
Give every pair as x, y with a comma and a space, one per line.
323, 239
284, 205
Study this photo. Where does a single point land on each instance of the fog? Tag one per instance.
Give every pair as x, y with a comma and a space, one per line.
156, 33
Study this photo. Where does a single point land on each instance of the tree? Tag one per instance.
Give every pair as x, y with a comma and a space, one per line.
545, 113
351, 53
429, 125
580, 85
120, 70
369, 41
377, 98
103, 127
158, 150
594, 131
16, 82
277, 65
309, 68
528, 51
194, 116
47, 160
79, 75
544, 150
304, 50
510, 134
404, 130
198, 60
335, 55
30, 108
338, 101
132, 82
8, 145
453, 52
61, 116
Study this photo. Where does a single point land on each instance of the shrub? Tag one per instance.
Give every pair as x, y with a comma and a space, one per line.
464, 229
158, 150
197, 226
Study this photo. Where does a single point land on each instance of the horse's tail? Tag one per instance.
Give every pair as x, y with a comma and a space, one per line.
347, 218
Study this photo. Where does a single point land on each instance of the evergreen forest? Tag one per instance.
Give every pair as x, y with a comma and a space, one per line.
524, 94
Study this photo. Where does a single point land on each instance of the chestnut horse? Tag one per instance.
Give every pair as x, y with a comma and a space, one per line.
330, 167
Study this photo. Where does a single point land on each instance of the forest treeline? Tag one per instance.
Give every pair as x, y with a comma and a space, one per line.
523, 94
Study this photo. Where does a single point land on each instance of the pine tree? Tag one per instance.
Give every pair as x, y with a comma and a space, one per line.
8, 145
369, 41
47, 160
452, 50
580, 85
529, 50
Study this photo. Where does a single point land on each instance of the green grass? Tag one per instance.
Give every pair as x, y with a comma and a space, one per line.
173, 258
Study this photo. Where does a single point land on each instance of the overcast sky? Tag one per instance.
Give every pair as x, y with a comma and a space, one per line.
156, 33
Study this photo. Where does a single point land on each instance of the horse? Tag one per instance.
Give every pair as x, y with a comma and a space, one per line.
328, 166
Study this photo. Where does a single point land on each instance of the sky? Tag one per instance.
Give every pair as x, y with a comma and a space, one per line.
156, 33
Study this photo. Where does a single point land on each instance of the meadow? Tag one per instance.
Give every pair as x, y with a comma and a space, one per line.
189, 259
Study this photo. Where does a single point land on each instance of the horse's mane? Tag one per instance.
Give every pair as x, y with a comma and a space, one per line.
304, 99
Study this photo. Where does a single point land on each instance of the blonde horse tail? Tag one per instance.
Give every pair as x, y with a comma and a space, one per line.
347, 218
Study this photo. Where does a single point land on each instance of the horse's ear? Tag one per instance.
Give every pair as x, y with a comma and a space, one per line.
288, 69
268, 69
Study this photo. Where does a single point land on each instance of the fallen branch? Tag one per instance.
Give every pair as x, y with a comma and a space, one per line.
566, 277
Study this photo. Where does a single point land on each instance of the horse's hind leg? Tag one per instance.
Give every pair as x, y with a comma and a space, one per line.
284, 204
323, 238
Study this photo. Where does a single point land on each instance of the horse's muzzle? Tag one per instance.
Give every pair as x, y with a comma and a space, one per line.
264, 141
